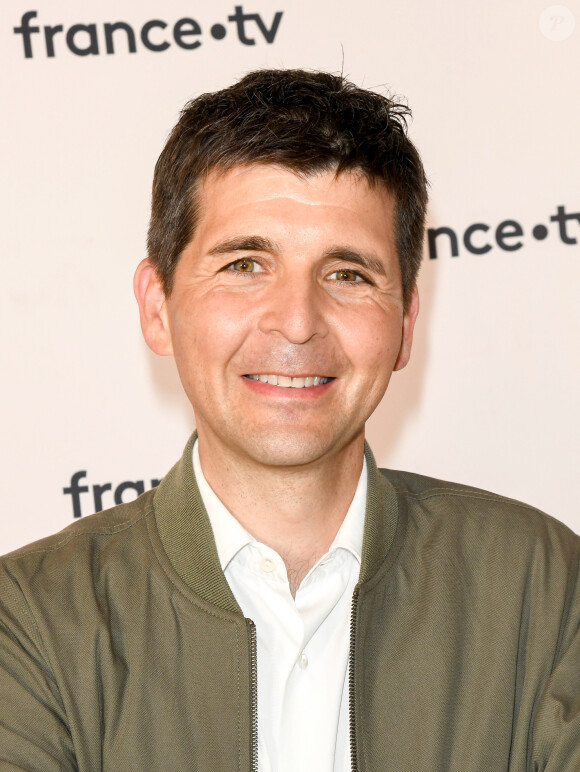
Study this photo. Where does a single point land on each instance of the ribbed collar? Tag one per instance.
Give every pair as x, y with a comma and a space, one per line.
187, 537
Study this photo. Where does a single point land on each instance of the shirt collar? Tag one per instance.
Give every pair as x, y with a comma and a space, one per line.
231, 537
350, 533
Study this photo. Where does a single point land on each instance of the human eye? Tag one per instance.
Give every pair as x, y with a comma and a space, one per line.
244, 265
348, 275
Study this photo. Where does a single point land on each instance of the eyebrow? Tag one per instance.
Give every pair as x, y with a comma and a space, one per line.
244, 244
365, 260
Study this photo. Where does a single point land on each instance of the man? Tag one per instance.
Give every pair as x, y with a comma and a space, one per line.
279, 603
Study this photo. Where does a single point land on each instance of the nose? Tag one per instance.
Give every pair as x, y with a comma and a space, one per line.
295, 309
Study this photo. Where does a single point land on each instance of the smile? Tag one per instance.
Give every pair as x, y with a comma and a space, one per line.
287, 382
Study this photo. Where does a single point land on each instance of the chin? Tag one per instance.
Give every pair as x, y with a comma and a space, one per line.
287, 448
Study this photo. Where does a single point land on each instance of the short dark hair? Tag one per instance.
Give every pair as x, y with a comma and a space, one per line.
309, 122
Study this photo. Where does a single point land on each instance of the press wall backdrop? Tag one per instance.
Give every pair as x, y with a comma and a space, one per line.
89, 93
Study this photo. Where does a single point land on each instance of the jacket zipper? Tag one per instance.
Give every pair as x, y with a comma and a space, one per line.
253, 697
351, 673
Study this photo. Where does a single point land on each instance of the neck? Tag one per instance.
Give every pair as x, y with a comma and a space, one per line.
295, 510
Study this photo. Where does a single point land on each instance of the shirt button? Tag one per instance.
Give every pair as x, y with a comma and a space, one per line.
268, 565
302, 661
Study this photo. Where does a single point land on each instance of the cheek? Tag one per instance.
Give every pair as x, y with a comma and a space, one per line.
372, 341
206, 329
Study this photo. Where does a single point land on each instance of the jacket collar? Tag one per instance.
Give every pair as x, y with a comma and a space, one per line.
187, 537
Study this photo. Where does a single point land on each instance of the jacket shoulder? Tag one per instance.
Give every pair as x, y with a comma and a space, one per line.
106, 523
467, 506
46, 575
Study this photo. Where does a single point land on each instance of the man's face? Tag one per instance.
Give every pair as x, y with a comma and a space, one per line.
287, 280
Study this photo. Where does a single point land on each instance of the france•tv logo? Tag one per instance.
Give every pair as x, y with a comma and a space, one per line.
154, 35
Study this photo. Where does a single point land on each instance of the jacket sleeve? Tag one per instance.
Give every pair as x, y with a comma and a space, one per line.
556, 730
33, 728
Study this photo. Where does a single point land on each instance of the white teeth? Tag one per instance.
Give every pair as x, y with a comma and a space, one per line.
287, 382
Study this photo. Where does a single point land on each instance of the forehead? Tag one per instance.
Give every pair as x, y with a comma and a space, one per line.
271, 197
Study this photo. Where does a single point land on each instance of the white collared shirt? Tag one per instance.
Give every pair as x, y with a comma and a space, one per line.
303, 642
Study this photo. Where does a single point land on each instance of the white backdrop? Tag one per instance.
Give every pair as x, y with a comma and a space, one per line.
491, 395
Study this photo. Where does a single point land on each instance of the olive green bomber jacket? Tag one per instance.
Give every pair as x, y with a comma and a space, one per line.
123, 648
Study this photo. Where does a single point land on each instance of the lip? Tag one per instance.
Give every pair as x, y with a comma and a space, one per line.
290, 381
258, 387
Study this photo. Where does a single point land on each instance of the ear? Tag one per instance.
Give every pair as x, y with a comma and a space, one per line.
408, 325
152, 308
